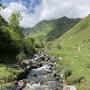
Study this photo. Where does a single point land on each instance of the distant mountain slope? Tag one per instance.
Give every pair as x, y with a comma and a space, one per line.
60, 26
49, 30
40, 30
78, 35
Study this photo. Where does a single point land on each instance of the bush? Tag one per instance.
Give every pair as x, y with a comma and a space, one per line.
39, 45
88, 40
21, 56
59, 47
29, 46
75, 79
67, 73
88, 66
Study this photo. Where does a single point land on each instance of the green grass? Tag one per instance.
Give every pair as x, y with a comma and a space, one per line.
40, 30
8, 73
75, 51
75, 61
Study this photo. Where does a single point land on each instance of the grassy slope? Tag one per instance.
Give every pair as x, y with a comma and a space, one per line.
60, 26
50, 30
75, 51
8, 72
40, 30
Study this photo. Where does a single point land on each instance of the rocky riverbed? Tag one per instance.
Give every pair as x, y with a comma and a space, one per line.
39, 74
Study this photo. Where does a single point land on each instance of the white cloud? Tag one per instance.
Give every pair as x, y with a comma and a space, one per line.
70, 8
28, 19
49, 9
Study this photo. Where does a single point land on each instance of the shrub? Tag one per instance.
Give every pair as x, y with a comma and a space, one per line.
21, 56
77, 79
29, 46
39, 45
67, 73
59, 47
88, 65
88, 40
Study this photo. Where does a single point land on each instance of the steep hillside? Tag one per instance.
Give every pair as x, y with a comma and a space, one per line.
77, 36
74, 48
60, 26
40, 30
50, 30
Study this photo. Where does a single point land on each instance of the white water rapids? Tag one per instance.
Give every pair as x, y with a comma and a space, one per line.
41, 78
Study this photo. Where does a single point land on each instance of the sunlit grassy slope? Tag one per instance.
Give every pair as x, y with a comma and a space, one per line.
74, 48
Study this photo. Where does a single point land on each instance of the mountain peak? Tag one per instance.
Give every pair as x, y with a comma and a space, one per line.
51, 29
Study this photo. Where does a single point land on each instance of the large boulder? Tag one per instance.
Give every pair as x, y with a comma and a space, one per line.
25, 63
21, 84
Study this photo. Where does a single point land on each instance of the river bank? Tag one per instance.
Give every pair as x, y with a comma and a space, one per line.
39, 74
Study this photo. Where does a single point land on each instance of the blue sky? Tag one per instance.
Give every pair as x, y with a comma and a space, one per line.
30, 4
23, 1
34, 11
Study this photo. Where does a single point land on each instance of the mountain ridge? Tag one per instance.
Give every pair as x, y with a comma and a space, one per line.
48, 30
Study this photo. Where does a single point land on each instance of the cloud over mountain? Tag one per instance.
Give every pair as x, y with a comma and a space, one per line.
33, 11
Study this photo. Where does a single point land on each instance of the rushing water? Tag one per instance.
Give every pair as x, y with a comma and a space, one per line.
42, 78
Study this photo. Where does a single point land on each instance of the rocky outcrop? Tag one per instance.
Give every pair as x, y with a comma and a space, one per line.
25, 63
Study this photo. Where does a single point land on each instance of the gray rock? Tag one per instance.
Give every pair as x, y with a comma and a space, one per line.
25, 63
21, 84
